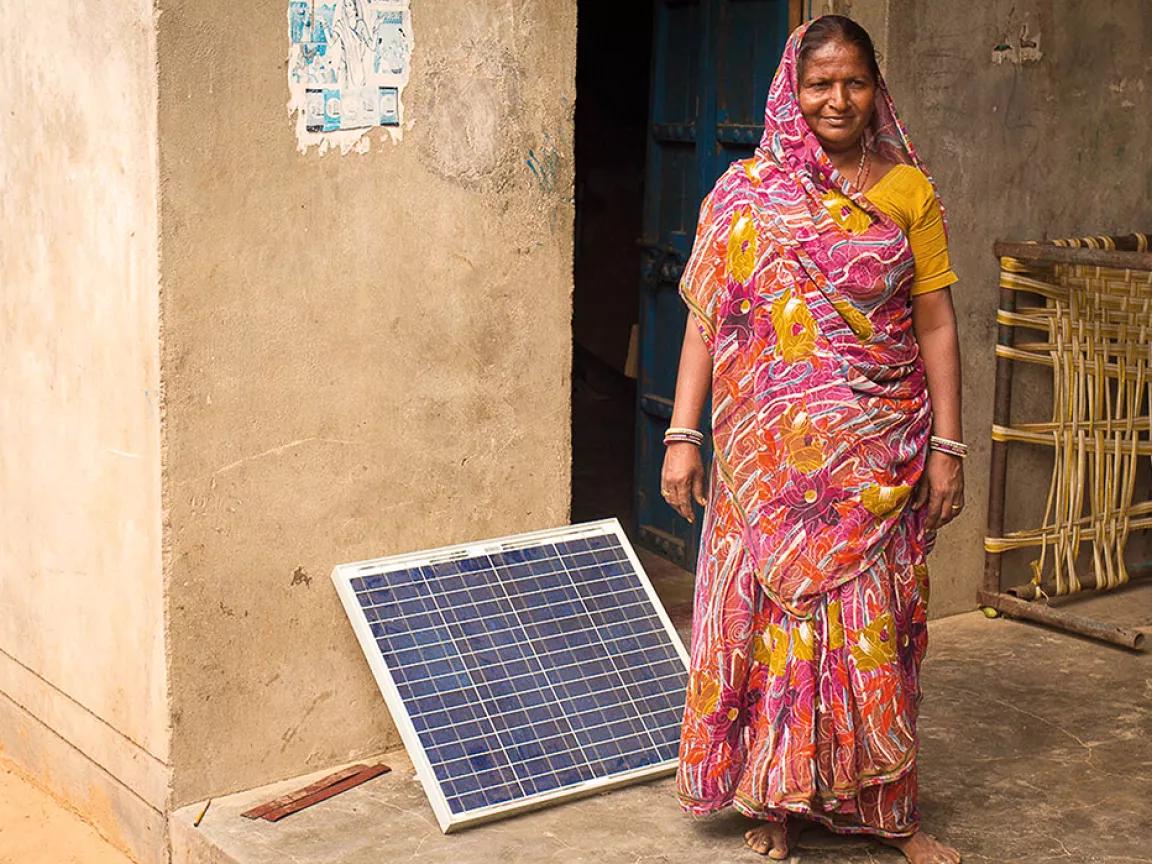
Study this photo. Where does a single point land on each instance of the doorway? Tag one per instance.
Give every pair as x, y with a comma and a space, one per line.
669, 93
613, 71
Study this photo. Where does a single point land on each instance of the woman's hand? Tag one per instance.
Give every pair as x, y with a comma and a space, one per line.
682, 480
941, 489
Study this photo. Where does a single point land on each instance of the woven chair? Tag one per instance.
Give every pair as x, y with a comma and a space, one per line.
1085, 313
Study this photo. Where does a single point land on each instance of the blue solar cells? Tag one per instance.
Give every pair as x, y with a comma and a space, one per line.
528, 670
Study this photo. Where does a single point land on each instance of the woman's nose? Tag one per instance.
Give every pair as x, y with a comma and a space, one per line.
838, 98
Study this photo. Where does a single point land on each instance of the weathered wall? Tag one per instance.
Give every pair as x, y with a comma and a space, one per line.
83, 701
364, 354
1045, 148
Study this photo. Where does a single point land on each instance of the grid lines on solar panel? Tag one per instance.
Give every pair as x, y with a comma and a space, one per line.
529, 670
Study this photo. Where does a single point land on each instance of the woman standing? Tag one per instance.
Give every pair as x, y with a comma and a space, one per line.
821, 318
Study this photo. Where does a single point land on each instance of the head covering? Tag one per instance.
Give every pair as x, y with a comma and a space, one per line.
820, 406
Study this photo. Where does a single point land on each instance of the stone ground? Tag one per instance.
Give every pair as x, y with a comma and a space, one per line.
35, 829
1037, 747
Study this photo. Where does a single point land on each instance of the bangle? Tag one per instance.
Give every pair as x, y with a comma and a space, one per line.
947, 445
681, 435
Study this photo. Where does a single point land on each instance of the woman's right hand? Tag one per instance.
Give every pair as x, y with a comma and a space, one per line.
682, 480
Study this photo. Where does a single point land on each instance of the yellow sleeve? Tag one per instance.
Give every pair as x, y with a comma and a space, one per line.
928, 242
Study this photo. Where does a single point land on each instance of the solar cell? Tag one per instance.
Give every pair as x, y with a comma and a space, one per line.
522, 670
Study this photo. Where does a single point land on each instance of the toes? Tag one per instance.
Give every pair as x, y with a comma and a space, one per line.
768, 841
757, 841
944, 854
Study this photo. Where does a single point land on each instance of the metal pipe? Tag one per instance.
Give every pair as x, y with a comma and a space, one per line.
1126, 637
1087, 581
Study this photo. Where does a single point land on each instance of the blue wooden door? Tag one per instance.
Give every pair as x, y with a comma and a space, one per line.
712, 63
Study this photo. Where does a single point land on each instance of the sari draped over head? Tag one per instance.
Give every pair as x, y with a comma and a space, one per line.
809, 622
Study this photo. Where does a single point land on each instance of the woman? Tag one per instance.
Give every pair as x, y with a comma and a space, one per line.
821, 318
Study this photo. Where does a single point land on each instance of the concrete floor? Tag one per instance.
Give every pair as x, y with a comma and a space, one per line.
1037, 747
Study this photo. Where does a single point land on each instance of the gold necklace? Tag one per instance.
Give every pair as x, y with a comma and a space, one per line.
864, 168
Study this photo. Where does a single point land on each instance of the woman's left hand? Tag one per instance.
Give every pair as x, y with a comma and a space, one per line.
941, 489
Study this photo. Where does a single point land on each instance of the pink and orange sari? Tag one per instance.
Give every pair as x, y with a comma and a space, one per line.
811, 586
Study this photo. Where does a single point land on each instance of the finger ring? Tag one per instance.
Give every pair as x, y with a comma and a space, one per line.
665, 492
957, 506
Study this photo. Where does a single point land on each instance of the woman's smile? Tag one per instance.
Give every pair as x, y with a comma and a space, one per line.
839, 122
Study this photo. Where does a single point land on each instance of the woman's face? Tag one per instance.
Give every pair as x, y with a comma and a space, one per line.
837, 93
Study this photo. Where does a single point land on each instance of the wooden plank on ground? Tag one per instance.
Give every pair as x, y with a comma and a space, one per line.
289, 798
278, 813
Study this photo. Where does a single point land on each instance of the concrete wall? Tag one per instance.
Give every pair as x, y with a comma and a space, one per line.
364, 355
83, 697
1048, 148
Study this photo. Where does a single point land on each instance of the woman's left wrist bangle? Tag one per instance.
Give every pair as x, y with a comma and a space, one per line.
947, 445
683, 435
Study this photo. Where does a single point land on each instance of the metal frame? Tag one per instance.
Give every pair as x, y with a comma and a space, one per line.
990, 596
342, 575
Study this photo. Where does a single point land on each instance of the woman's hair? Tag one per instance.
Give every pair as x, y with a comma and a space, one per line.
838, 28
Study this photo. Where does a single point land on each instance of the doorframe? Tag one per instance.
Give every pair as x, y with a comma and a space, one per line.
796, 13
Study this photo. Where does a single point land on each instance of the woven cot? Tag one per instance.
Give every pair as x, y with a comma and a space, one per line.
1083, 309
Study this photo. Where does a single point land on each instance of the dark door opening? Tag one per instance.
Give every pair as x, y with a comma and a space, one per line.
613, 70
668, 95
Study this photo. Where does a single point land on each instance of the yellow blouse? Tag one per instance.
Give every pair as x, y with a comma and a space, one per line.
906, 196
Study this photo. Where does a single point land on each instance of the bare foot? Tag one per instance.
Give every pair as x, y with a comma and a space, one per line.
923, 848
773, 838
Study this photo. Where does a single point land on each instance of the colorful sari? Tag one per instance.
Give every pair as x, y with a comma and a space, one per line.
809, 625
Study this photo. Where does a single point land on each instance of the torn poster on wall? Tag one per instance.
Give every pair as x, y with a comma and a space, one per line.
348, 64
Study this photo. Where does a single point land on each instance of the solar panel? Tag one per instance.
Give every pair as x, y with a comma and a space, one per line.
523, 670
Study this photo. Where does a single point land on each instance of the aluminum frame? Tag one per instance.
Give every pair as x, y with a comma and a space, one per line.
342, 576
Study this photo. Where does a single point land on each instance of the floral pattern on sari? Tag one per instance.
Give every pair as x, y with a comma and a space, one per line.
809, 624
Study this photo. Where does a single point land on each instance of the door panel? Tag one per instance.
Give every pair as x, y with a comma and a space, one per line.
746, 60
677, 32
712, 64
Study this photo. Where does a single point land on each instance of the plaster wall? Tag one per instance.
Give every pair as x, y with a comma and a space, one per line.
83, 696
1024, 151
364, 355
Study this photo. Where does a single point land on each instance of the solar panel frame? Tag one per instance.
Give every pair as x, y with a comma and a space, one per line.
342, 576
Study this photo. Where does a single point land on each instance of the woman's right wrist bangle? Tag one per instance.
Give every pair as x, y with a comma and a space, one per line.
683, 435
947, 445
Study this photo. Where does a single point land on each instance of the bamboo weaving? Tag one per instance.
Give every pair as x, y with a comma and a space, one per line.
1093, 329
